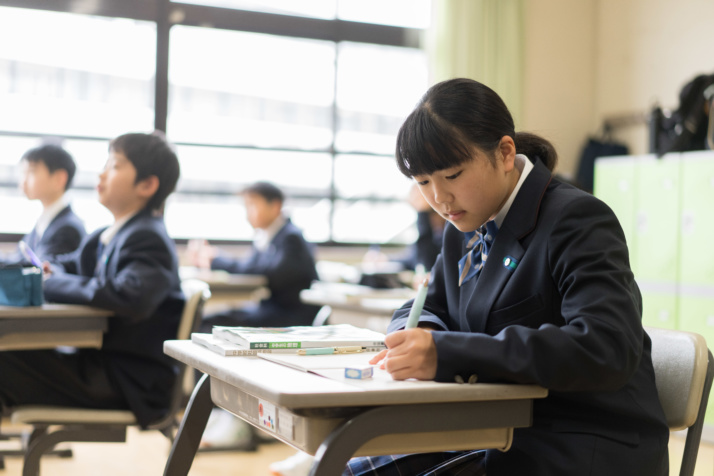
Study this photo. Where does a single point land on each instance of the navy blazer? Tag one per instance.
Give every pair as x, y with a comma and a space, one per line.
289, 265
568, 317
136, 278
63, 235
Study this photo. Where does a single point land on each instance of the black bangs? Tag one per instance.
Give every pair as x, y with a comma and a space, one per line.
427, 143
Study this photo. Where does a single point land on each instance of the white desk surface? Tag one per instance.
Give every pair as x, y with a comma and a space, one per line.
337, 419
50, 310
298, 390
377, 302
51, 325
222, 278
225, 286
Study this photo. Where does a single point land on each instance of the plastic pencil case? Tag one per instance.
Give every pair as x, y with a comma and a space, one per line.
21, 286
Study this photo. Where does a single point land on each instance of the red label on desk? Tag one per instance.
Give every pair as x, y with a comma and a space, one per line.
266, 415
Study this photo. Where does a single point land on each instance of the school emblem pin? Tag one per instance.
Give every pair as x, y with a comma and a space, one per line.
510, 263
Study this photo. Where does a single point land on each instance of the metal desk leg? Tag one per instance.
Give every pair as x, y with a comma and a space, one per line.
191, 429
332, 455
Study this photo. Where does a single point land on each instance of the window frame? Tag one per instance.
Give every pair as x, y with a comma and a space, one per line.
166, 13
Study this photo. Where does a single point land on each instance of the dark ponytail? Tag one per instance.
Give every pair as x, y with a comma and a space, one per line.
450, 119
535, 147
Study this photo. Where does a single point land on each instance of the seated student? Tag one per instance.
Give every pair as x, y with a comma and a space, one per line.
279, 252
131, 268
282, 255
420, 255
47, 173
533, 286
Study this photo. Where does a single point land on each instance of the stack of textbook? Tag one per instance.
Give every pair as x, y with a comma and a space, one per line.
243, 341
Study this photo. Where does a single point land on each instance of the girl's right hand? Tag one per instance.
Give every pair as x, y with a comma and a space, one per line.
411, 354
379, 358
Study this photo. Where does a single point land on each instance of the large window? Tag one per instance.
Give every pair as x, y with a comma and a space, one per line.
308, 95
57, 86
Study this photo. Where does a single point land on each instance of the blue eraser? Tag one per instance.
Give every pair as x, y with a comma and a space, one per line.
356, 373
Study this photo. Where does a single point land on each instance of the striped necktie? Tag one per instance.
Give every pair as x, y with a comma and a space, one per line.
478, 244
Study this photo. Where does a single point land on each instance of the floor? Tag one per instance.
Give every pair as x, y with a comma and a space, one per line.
145, 453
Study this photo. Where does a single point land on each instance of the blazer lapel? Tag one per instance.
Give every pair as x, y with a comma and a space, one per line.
520, 221
56, 220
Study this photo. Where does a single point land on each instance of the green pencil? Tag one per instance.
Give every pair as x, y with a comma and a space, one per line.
417, 305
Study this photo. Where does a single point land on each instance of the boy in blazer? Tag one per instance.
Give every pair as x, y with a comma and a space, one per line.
47, 173
279, 252
533, 285
131, 268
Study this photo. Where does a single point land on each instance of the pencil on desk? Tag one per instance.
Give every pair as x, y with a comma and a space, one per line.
350, 349
417, 305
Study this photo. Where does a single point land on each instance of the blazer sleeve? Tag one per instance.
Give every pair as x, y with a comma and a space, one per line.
134, 288
234, 265
290, 263
598, 346
64, 240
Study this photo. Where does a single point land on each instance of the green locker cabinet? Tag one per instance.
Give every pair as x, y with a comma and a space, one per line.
655, 255
614, 184
660, 309
697, 219
696, 272
655, 251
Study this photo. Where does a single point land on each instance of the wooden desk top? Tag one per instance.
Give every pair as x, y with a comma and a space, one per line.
294, 389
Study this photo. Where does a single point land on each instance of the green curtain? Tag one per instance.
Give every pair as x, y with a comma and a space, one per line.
481, 40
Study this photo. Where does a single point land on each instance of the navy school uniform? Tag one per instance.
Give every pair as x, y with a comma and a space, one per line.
556, 305
289, 265
63, 235
136, 277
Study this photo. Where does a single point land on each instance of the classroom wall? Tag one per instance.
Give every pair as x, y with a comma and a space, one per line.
559, 82
647, 51
590, 59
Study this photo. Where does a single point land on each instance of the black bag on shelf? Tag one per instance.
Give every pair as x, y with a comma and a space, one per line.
686, 128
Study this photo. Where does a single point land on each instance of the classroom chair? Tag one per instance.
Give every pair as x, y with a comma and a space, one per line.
107, 426
683, 369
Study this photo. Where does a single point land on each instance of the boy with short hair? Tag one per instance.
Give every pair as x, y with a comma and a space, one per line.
279, 252
131, 268
47, 173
